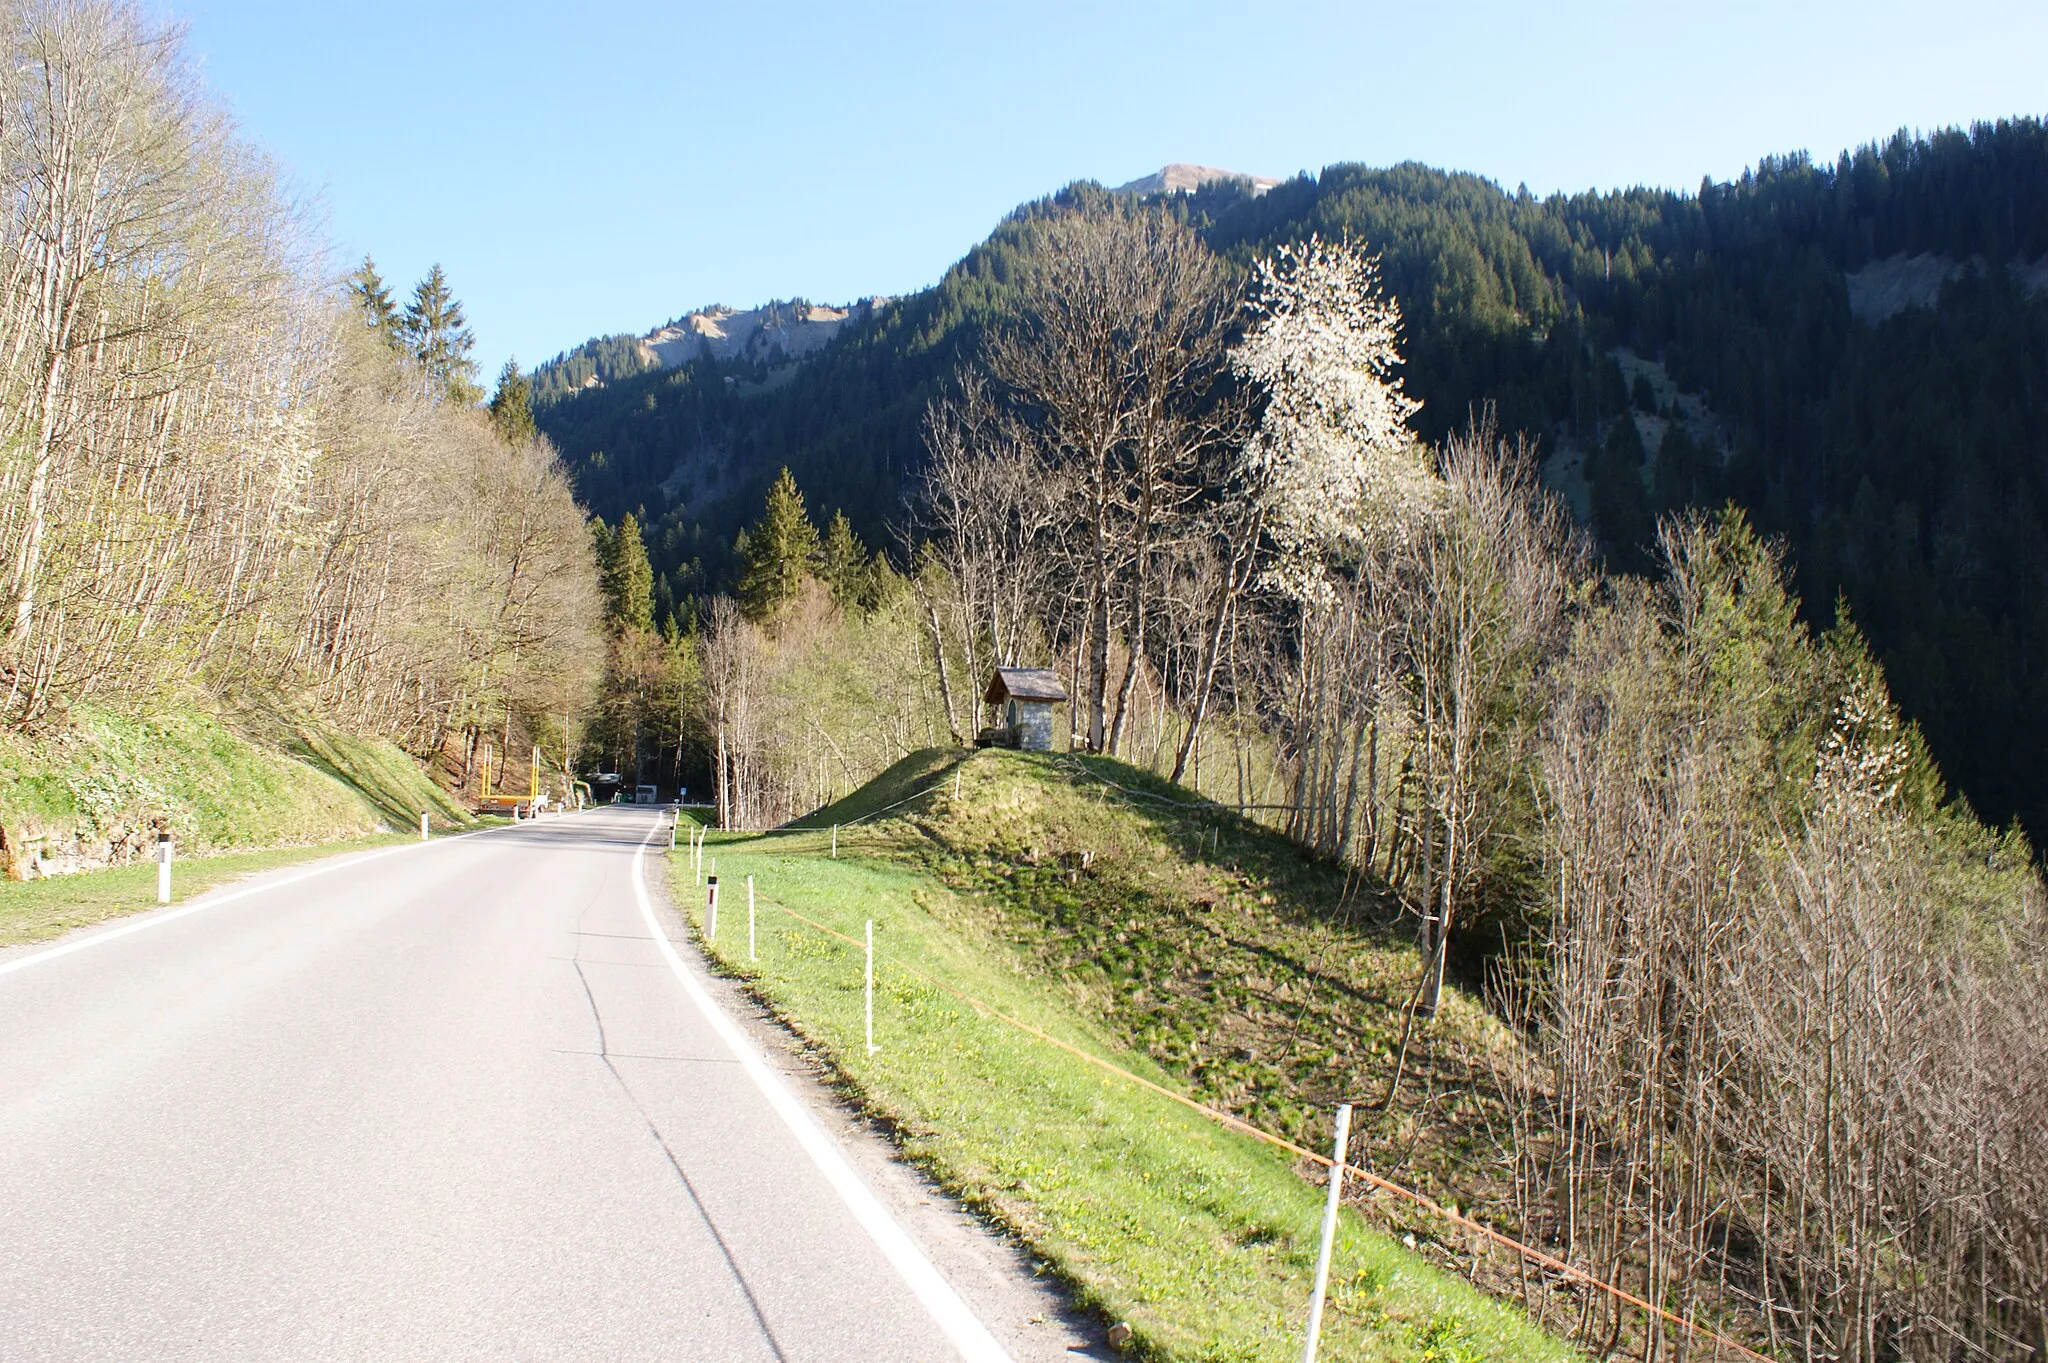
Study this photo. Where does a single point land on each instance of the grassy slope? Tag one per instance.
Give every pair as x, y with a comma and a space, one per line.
1272, 984
237, 799
1203, 1240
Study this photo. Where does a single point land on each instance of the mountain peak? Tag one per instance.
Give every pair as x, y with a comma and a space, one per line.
1184, 178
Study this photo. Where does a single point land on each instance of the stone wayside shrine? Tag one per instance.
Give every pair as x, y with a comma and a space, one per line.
1027, 695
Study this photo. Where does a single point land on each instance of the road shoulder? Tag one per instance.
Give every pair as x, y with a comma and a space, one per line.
1015, 1298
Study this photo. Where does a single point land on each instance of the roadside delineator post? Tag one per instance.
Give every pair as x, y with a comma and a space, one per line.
835, 842
163, 868
711, 913
750, 919
674, 824
1330, 1205
870, 980
423, 825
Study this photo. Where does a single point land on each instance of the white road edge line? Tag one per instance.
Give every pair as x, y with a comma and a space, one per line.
952, 1314
210, 900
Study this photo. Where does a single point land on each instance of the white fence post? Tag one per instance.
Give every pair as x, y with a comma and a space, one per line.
1315, 1305
163, 868
835, 842
711, 913
750, 920
423, 825
872, 1047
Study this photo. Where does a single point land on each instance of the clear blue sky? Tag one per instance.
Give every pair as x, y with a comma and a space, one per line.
587, 168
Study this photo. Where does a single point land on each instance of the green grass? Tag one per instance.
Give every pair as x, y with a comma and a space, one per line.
260, 781
41, 909
239, 794
1201, 1239
1269, 983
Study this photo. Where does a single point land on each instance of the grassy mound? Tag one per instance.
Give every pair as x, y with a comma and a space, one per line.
1275, 985
908, 783
1192, 947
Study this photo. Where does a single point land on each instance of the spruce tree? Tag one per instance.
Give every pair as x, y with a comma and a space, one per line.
625, 576
380, 313
512, 407
1621, 505
845, 566
776, 551
438, 336
1686, 473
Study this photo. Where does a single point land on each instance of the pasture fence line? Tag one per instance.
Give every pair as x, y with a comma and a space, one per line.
1337, 1168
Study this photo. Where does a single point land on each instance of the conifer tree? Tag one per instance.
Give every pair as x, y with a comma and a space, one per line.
380, 313
776, 551
624, 576
846, 567
512, 407
438, 335
1621, 504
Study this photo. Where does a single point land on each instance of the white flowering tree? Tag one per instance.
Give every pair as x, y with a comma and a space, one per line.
1333, 458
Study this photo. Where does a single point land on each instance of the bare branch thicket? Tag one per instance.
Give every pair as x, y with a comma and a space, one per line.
1790, 1059
151, 401
208, 470
1416, 693
1113, 371
802, 714
733, 687
995, 514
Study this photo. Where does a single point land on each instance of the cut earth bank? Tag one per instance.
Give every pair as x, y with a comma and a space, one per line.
81, 807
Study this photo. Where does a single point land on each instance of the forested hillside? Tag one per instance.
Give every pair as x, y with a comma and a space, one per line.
1898, 459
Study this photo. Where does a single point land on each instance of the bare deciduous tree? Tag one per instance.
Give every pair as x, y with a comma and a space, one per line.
1112, 368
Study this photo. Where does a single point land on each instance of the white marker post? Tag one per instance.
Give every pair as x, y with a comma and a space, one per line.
423, 825
872, 1047
673, 825
711, 913
1315, 1304
750, 920
163, 868
835, 842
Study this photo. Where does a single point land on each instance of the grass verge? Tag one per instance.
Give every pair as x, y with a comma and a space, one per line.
1203, 1240
38, 910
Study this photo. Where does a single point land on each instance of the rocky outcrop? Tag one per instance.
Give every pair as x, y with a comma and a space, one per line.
770, 334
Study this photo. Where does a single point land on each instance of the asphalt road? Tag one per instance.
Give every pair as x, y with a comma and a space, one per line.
455, 1101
